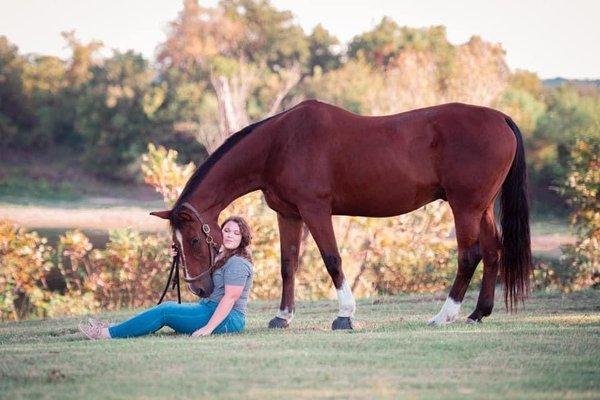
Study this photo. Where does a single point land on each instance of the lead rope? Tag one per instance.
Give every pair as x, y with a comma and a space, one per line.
174, 267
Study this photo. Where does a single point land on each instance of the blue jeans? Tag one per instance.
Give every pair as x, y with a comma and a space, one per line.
183, 318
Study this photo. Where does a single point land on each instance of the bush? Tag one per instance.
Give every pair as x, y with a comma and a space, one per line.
582, 189
25, 258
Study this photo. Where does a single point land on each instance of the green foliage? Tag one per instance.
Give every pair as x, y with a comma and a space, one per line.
387, 40
115, 114
45, 84
323, 49
269, 35
24, 259
570, 116
582, 190
163, 173
130, 272
523, 108
14, 111
348, 86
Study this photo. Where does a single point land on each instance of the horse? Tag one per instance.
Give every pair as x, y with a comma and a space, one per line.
316, 160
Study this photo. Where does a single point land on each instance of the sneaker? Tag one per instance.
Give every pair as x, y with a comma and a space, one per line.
97, 322
93, 332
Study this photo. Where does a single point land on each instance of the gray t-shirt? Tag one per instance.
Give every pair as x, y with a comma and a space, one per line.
236, 271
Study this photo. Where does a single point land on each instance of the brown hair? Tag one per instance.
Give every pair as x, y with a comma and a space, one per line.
242, 250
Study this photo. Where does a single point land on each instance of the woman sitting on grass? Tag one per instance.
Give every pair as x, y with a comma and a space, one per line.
223, 311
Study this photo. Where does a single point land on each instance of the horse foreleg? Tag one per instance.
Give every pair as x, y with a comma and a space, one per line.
489, 241
321, 228
290, 233
469, 255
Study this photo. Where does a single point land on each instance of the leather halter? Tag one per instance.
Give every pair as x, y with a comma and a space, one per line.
175, 263
209, 242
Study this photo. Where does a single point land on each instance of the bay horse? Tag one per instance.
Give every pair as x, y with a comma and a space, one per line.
316, 160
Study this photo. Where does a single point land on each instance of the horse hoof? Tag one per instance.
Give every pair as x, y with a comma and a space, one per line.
278, 323
342, 323
474, 318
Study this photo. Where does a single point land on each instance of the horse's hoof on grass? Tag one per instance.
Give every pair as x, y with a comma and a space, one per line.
342, 323
278, 323
472, 321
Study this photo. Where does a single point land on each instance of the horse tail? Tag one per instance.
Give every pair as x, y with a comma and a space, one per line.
515, 257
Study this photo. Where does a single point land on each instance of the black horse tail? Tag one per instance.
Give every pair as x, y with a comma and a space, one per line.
515, 258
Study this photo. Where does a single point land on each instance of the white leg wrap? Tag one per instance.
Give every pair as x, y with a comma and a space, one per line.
346, 300
447, 314
285, 314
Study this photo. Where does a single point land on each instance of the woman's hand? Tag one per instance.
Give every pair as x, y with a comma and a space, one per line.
204, 331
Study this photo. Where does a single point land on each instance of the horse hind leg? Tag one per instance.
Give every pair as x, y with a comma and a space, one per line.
318, 220
469, 255
490, 246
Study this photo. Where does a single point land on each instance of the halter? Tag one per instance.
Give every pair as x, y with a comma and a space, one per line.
175, 263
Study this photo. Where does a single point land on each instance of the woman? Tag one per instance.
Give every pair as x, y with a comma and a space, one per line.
223, 311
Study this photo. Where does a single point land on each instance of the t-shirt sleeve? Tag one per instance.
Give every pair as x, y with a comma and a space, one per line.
236, 273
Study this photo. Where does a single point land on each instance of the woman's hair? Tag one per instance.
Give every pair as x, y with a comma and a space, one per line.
242, 250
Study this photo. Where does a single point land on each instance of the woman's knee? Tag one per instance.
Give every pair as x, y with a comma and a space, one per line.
166, 307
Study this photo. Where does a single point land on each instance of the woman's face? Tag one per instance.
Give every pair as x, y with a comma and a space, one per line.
232, 236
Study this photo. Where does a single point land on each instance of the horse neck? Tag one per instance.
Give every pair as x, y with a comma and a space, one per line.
238, 172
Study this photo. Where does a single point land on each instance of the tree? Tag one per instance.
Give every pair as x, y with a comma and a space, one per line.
45, 85
15, 113
324, 50
115, 114
236, 46
570, 116
477, 74
382, 45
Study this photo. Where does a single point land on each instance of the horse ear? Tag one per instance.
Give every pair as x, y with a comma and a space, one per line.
162, 214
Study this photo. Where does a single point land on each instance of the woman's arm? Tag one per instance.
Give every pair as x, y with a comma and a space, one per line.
232, 293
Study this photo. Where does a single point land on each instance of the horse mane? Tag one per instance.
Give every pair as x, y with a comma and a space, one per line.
206, 166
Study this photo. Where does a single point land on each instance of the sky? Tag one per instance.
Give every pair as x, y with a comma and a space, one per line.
551, 37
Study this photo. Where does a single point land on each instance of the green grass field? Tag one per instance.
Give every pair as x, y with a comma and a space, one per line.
551, 350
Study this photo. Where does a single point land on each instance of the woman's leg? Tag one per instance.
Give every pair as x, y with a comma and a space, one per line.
183, 318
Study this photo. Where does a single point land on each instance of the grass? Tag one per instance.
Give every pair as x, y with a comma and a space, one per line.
550, 350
